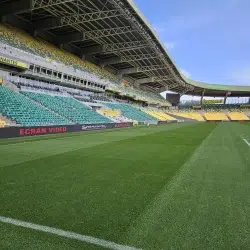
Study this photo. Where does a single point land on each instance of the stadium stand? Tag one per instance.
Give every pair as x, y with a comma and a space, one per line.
69, 108
110, 112
115, 115
131, 112
25, 112
21, 40
188, 114
238, 116
82, 92
160, 115
215, 116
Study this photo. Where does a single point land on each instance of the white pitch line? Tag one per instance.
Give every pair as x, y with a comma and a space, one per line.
248, 143
67, 234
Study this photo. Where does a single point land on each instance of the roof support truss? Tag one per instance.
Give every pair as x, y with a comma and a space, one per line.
113, 47
138, 57
41, 4
95, 34
151, 68
124, 43
129, 59
144, 80
51, 23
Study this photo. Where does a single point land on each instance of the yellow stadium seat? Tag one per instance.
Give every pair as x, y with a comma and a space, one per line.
238, 116
189, 115
160, 115
216, 116
110, 112
3, 124
197, 116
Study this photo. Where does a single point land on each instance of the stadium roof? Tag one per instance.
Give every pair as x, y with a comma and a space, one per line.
113, 34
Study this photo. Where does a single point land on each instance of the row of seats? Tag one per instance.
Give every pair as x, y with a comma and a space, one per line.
238, 116
69, 108
114, 114
211, 115
25, 112
160, 115
188, 115
131, 112
21, 40
215, 116
110, 112
226, 116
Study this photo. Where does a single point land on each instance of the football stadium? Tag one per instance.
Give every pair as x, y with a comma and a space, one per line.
93, 156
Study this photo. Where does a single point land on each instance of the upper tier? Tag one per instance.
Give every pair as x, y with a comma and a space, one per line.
21, 40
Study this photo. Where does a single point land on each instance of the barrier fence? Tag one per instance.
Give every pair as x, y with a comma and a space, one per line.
44, 130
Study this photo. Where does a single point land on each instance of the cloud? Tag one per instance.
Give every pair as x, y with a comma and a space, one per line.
241, 76
170, 45
159, 28
185, 73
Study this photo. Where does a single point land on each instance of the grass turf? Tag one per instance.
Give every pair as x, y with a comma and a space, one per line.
176, 186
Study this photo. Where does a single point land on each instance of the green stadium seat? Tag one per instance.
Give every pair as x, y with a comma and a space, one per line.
131, 112
69, 108
26, 112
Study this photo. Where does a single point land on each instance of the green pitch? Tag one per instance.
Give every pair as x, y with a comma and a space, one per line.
179, 186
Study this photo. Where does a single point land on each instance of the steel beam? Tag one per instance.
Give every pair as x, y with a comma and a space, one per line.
129, 58
95, 34
113, 47
89, 17
127, 71
41, 4
164, 78
142, 69
202, 96
138, 57
51, 23
151, 68
144, 80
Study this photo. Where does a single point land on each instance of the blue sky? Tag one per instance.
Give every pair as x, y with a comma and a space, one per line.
208, 39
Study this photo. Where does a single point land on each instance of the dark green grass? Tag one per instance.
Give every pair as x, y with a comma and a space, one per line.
99, 190
207, 206
13, 237
178, 186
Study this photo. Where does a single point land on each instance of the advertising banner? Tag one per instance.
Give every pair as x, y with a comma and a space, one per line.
45, 130
13, 63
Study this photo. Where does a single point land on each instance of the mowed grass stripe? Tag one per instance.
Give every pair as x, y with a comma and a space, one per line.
33, 148
98, 191
207, 206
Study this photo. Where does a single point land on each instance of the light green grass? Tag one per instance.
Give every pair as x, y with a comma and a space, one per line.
180, 186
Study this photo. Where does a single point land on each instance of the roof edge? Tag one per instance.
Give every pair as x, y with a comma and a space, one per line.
199, 84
